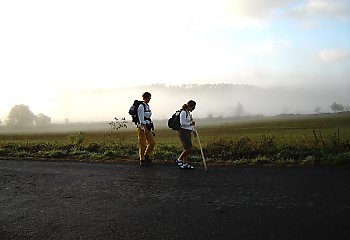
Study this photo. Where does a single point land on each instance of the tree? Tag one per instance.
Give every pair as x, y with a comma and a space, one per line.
42, 120
20, 116
317, 109
337, 107
239, 111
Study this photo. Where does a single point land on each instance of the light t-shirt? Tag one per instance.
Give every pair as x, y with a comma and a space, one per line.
186, 120
144, 112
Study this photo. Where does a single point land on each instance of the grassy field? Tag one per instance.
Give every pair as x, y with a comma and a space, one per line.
288, 130
271, 139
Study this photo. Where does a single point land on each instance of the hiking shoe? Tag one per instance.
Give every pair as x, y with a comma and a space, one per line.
143, 163
186, 166
178, 162
148, 161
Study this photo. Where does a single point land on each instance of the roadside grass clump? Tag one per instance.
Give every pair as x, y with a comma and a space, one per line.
335, 160
267, 145
240, 162
166, 152
219, 149
73, 148
309, 161
260, 160
77, 138
79, 154
3, 152
297, 152
245, 148
20, 154
109, 154
57, 154
242, 148
94, 148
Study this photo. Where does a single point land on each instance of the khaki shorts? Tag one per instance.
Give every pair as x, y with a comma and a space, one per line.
185, 138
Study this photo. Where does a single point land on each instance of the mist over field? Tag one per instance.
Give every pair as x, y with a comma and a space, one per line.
213, 100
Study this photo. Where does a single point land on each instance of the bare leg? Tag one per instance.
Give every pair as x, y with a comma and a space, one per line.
184, 155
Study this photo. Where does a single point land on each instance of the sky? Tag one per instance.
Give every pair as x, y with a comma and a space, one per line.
52, 51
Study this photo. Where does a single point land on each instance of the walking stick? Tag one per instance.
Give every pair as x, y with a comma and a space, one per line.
200, 146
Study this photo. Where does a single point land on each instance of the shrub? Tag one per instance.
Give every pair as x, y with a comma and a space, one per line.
94, 147
56, 154
220, 148
267, 146
166, 152
110, 154
77, 139
245, 148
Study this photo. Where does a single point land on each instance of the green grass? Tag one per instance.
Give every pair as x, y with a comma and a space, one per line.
293, 140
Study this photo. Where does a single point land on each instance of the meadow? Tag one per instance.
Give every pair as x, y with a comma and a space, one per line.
290, 140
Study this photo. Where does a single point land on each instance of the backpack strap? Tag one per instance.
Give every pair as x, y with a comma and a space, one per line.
183, 110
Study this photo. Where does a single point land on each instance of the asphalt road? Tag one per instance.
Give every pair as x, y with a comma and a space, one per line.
70, 200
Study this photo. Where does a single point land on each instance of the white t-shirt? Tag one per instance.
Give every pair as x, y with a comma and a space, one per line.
144, 112
186, 120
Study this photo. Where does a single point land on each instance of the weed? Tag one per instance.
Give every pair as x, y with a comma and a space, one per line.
77, 139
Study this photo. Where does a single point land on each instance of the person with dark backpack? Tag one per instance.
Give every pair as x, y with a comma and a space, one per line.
141, 114
174, 121
186, 128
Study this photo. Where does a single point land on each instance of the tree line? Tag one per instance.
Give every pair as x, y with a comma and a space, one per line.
335, 107
20, 116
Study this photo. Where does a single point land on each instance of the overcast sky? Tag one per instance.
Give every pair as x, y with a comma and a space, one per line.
49, 48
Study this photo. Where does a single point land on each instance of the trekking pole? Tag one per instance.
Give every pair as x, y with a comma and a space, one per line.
200, 146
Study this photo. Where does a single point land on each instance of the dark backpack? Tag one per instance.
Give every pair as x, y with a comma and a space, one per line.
133, 111
174, 121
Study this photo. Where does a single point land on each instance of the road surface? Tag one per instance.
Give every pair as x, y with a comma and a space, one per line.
71, 200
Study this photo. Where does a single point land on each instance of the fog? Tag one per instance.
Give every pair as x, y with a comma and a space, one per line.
213, 100
216, 100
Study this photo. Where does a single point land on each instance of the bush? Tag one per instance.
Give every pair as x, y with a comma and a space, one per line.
77, 139
339, 159
109, 154
56, 154
267, 146
166, 152
220, 148
94, 148
243, 148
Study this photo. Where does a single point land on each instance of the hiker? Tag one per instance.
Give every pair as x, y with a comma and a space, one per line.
145, 131
186, 128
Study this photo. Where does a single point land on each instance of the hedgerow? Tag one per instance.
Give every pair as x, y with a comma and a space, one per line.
263, 150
